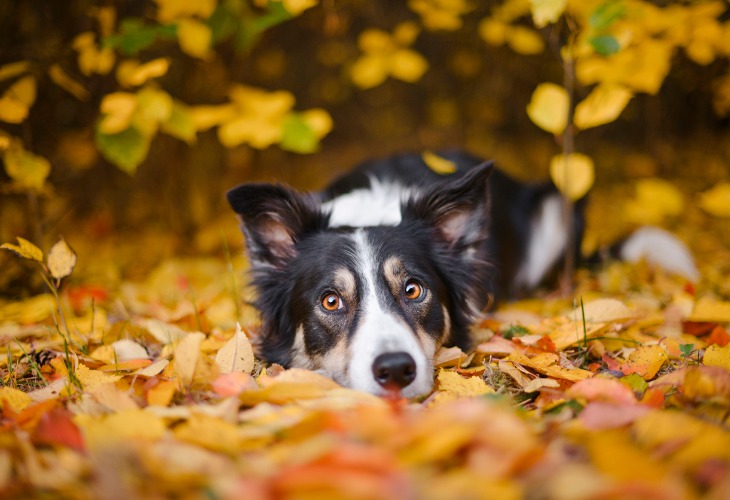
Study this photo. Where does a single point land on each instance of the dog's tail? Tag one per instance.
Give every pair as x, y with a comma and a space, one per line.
660, 248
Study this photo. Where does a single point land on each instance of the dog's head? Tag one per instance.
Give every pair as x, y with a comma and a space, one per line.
367, 306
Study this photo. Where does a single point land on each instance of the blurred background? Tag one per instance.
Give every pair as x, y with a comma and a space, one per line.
123, 123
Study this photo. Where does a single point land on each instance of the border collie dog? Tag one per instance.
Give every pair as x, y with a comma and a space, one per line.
367, 279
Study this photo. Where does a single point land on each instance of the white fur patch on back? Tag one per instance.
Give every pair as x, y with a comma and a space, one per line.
548, 240
378, 205
380, 332
660, 248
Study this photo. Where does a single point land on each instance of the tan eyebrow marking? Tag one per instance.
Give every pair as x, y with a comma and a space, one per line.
393, 271
344, 281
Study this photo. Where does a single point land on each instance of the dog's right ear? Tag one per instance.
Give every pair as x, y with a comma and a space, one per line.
274, 219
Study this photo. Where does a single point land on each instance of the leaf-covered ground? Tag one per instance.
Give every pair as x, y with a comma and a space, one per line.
137, 385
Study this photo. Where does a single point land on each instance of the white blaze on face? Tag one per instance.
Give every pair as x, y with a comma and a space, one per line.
380, 331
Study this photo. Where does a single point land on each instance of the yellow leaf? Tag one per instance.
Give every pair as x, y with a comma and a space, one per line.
118, 109
369, 71
17, 100
407, 65
205, 117
120, 427
716, 201
154, 106
438, 164
236, 355
406, 33
646, 361
28, 170
546, 11
171, 10
13, 69
603, 105
603, 310
32, 310
296, 7
186, 357
525, 41
14, 399
372, 40
63, 80
259, 134
319, 121
548, 108
572, 174
194, 37
711, 310
61, 259
24, 249
162, 393
493, 31
717, 356
210, 432
91, 59
457, 385
655, 200
90, 379
132, 74
547, 364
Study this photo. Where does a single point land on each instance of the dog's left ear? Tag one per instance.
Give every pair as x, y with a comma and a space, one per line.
459, 209
274, 219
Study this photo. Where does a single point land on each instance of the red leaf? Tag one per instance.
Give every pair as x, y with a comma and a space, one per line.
697, 328
57, 428
546, 344
719, 336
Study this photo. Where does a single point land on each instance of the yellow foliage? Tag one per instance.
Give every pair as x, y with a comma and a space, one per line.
438, 164
132, 73
548, 107
572, 174
14, 399
172, 10
440, 14
118, 109
14, 69
91, 59
717, 356
655, 200
61, 78
545, 12
524, 40
716, 200
17, 100
296, 7
603, 105
28, 170
387, 55
194, 37
61, 259
646, 360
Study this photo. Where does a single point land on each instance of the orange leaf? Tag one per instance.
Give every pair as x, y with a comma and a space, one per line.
57, 428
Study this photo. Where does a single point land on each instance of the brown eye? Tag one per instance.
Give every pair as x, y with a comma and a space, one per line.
413, 290
331, 302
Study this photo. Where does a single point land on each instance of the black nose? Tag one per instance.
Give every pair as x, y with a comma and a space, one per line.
394, 369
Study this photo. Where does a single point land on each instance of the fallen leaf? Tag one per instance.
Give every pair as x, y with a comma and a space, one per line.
646, 361
714, 201
233, 384
538, 383
57, 428
161, 394
455, 384
236, 355
14, 399
602, 389
604, 310
547, 364
711, 310
599, 415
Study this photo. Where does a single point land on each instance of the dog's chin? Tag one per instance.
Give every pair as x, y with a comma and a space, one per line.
419, 387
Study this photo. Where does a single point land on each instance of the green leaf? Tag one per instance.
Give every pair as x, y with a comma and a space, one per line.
686, 349
515, 331
180, 124
252, 28
297, 136
635, 382
224, 21
606, 14
134, 35
126, 150
605, 45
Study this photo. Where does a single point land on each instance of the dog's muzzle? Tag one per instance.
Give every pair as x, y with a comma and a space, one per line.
394, 370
